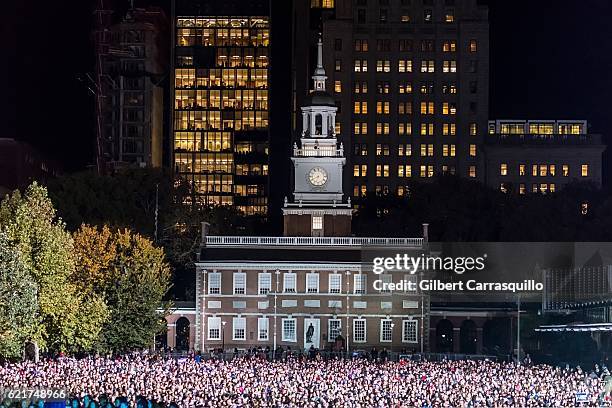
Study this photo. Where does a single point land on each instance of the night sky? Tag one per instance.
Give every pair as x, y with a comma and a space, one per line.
549, 59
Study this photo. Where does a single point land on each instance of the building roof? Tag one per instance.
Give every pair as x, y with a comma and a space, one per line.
319, 98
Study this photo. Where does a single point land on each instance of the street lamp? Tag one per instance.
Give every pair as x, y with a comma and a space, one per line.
223, 323
348, 274
277, 273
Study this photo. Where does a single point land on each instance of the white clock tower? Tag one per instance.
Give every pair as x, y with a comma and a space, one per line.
318, 207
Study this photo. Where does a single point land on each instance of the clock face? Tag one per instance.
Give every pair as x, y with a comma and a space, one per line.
317, 176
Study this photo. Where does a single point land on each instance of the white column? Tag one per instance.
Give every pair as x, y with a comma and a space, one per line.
304, 122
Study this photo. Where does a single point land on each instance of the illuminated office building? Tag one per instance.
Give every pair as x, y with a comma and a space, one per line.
541, 156
220, 126
410, 79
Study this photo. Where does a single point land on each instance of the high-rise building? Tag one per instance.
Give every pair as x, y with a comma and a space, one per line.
131, 61
541, 156
410, 79
220, 127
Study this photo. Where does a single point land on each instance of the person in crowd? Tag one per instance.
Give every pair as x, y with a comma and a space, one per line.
249, 381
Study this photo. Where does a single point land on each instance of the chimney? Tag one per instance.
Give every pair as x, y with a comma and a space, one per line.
425, 234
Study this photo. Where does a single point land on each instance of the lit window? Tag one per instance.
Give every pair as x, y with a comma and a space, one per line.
552, 169
361, 65
473, 129
337, 86
449, 17
289, 330
359, 283
214, 283
473, 46
382, 108
584, 208
338, 65
262, 329
427, 108
383, 66
543, 170
317, 222
472, 171
565, 170
335, 283
449, 46
449, 108
404, 66
448, 150
405, 87
214, 328
334, 328
239, 283
264, 283
521, 170
289, 282
584, 170
427, 66
503, 169
449, 66
448, 129
386, 331
522, 188
427, 129
359, 330
473, 150
239, 326
409, 331
312, 283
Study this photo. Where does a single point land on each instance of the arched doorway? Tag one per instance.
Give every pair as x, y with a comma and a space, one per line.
496, 336
468, 337
182, 334
444, 336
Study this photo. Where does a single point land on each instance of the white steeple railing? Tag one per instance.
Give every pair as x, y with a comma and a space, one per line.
213, 241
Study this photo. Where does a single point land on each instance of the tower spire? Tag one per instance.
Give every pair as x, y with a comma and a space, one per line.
319, 76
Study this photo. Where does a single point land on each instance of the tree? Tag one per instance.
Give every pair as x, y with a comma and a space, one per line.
18, 304
69, 321
127, 199
133, 277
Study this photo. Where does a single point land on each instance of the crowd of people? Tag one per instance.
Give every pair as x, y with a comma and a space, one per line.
249, 381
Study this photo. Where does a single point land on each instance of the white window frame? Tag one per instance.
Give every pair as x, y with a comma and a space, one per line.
263, 329
338, 278
309, 287
385, 279
237, 289
365, 330
214, 323
383, 323
360, 288
238, 323
405, 324
317, 222
262, 288
286, 288
331, 338
285, 338
214, 277
411, 278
